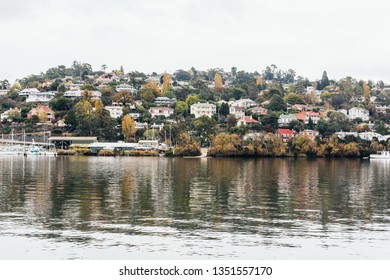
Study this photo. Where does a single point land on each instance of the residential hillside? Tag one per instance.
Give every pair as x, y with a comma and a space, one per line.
115, 105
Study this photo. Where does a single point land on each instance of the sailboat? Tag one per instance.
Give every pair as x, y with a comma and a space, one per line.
11, 149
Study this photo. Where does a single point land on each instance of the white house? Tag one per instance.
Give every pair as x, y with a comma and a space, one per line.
162, 100
123, 87
115, 110
161, 111
5, 115
78, 93
203, 109
361, 113
246, 103
40, 97
28, 91
237, 111
355, 113
285, 120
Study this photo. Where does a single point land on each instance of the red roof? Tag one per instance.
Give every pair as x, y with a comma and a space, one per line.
301, 116
286, 131
248, 119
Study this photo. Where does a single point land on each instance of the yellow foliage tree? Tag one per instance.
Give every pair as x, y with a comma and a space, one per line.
128, 127
259, 81
99, 107
218, 84
367, 93
86, 94
16, 86
166, 82
150, 91
42, 116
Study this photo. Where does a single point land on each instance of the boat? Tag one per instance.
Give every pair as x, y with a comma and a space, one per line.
381, 155
38, 151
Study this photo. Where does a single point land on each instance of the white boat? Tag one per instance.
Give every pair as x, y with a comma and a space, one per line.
381, 155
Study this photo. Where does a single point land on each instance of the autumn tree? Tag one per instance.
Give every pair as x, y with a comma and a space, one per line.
218, 84
128, 127
42, 116
150, 91
187, 146
260, 82
166, 82
367, 93
124, 97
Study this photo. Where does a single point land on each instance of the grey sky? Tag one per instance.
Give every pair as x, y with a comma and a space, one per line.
309, 36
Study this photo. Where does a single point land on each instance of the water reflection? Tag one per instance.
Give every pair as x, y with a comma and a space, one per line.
202, 208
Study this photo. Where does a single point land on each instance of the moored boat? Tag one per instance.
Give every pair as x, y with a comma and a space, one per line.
381, 155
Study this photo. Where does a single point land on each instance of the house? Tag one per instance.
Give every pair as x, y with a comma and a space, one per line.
43, 112
123, 87
203, 109
259, 111
165, 101
246, 103
311, 134
237, 111
343, 134
285, 134
361, 113
3, 92
6, 115
305, 116
299, 107
161, 111
355, 113
245, 120
285, 120
382, 109
107, 78
115, 110
40, 97
60, 124
371, 135
28, 91
139, 125
95, 95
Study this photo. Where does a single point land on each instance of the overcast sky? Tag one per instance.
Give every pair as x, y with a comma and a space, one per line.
342, 37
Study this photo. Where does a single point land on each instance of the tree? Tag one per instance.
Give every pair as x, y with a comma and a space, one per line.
181, 108
231, 121
205, 126
192, 99
15, 115
294, 98
182, 75
218, 84
259, 82
104, 67
187, 146
166, 82
277, 103
324, 81
128, 127
226, 145
71, 120
367, 93
150, 91
300, 145
124, 97
224, 110
99, 107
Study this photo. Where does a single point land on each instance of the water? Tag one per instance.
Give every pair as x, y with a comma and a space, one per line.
162, 208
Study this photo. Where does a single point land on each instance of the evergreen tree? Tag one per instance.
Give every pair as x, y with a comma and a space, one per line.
324, 81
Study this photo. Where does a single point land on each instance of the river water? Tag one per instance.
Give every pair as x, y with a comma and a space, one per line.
164, 208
